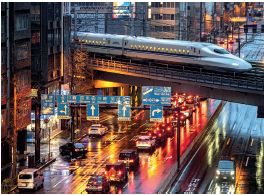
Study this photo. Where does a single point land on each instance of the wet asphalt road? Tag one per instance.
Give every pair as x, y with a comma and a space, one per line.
70, 176
238, 133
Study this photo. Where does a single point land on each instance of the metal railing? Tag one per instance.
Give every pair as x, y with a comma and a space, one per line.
254, 84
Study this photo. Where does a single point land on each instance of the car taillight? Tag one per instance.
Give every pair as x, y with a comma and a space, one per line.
193, 108
160, 134
119, 172
98, 186
89, 186
136, 142
105, 172
149, 134
119, 160
131, 160
181, 117
157, 128
168, 128
148, 142
76, 150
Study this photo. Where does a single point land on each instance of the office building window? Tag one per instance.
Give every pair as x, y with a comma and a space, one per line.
51, 11
50, 37
21, 23
35, 12
57, 8
2, 119
2, 87
2, 25
57, 37
2, 56
35, 39
158, 28
22, 52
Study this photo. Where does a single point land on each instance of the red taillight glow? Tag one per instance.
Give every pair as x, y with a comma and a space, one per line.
181, 117
105, 172
168, 128
149, 134
160, 134
137, 142
119, 172
157, 128
182, 107
131, 160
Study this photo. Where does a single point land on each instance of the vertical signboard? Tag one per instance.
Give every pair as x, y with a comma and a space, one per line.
47, 104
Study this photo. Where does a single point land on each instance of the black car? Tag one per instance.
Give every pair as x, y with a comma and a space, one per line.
159, 134
130, 157
73, 149
174, 120
98, 184
168, 127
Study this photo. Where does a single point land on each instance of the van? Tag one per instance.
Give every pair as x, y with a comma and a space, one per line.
116, 171
30, 179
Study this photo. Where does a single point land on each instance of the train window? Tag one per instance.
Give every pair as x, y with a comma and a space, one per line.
154, 48
194, 50
131, 46
100, 43
158, 49
135, 47
89, 42
72, 40
125, 43
179, 51
150, 48
143, 47
86, 41
93, 42
96, 42
175, 50
188, 52
139, 47
220, 51
199, 52
183, 51
167, 49
103, 43
162, 49
171, 50
108, 41
146, 47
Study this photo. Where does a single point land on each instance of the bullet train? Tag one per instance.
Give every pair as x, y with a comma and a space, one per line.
206, 55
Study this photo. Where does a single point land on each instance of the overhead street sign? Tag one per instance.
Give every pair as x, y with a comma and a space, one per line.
47, 104
63, 111
124, 113
156, 113
91, 99
92, 112
156, 96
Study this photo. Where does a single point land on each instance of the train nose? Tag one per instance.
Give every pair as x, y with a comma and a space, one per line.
242, 65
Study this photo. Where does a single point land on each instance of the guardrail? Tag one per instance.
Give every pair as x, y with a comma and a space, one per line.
204, 77
184, 158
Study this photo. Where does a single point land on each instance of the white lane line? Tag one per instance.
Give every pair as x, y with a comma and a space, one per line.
234, 126
210, 184
240, 185
247, 161
127, 184
60, 181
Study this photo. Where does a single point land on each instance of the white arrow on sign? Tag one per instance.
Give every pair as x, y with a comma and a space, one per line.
147, 91
124, 110
92, 108
157, 110
61, 111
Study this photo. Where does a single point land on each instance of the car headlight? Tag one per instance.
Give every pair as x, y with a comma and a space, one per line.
232, 172
218, 172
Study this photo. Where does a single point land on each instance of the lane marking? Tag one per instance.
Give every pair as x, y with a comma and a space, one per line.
234, 127
60, 181
240, 185
252, 142
127, 184
228, 141
210, 184
247, 161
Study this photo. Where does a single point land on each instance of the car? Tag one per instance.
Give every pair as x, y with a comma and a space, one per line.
187, 111
97, 129
226, 170
73, 149
145, 142
167, 127
130, 157
98, 183
174, 119
159, 135
30, 179
116, 171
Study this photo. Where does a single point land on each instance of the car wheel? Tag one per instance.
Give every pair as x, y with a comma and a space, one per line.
35, 188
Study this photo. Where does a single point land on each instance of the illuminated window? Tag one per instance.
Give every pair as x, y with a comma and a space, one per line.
131, 46
150, 48
89, 42
103, 43
86, 41
175, 50
100, 43
146, 47
135, 47
158, 49
143, 47
96, 42
154, 48
199, 52
93, 42
162, 49
188, 52
171, 50
167, 49
183, 51
72, 40
179, 51
139, 47
194, 50
21, 51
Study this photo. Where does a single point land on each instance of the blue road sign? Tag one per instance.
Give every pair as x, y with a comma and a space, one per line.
156, 113
90, 99
92, 112
100, 92
63, 111
156, 96
124, 113
47, 104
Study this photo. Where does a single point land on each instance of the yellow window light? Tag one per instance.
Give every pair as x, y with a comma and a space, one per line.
89, 41
162, 49
154, 48
167, 49
188, 52
131, 46
135, 47
93, 42
179, 51
100, 43
72, 40
158, 49
143, 47
96, 42
171, 50
183, 51
175, 50
150, 48
139, 47
103, 43
86, 41
146, 47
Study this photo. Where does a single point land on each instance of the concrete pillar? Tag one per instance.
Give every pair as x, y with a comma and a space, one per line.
139, 99
125, 90
133, 96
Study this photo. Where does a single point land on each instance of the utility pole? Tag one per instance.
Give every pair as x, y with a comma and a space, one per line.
201, 8
179, 138
132, 20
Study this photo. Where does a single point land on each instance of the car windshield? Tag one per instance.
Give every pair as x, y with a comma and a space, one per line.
95, 181
115, 167
78, 145
143, 140
123, 156
25, 176
221, 51
94, 127
225, 165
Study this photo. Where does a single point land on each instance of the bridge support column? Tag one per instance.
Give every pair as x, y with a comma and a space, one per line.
125, 90
133, 95
260, 112
139, 89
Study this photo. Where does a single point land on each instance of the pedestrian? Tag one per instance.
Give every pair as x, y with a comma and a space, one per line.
69, 124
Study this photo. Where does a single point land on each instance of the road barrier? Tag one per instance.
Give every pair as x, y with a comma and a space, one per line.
184, 159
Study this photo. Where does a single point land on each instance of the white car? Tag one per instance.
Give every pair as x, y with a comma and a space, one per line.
97, 129
146, 142
30, 179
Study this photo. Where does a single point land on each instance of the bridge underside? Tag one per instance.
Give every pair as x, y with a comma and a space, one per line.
180, 86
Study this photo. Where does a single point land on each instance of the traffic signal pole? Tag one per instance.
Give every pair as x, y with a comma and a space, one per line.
179, 139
